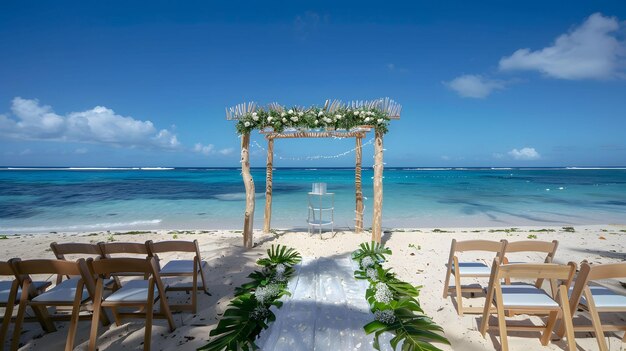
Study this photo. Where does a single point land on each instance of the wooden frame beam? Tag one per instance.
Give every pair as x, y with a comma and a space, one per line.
268, 185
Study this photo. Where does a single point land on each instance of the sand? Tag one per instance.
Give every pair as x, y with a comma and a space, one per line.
418, 257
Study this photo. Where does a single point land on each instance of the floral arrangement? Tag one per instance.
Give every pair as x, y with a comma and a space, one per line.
249, 313
279, 118
394, 304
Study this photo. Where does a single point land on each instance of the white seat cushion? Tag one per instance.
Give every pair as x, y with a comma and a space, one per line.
526, 295
5, 290
178, 267
132, 291
63, 292
604, 297
473, 268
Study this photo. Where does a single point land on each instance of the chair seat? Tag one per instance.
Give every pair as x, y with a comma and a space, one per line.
526, 295
5, 290
603, 297
179, 267
64, 292
473, 268
132, 291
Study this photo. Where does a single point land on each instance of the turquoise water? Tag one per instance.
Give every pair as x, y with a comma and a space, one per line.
43, 200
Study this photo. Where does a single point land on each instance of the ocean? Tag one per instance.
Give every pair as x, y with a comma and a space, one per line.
42, 200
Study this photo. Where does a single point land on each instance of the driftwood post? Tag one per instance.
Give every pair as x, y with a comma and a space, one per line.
249, 184
378, 188
358, 226
268, 185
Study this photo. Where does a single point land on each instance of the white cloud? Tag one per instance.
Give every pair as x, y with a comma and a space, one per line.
591, 51
210, 149
101, 125
526, 153
474, 86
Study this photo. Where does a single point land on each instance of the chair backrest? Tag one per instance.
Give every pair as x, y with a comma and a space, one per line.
594, 272
5, 268
477, 245
173, 246
547, 247
109, 249
24, 269
60, 250
536, 271
124, 265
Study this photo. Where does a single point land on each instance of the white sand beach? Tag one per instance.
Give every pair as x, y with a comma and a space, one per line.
418, 257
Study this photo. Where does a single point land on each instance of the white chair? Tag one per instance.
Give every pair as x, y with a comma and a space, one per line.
321, 208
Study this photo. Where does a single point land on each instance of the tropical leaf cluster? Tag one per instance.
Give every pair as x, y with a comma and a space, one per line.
394, 304
249, 312
313, 118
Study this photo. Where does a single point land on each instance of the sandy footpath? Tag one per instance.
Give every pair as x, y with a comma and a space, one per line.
418, 257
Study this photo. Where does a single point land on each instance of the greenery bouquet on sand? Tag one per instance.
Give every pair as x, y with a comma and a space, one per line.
249, 312
394, 304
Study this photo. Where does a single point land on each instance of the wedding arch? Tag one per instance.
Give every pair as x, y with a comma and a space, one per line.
334, 120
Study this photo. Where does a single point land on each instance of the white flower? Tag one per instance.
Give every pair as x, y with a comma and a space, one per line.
383, 294
367, 119
255, 117
290, 112
338, 116
327, 120
280, 268
300, 113
370, 113
246, 123
357, 112
367, 262
264, 293
282, 114
316, 121
385, 316
269, 119
294, 118
380, 120
284, 120
321, 113
372, 274
259, 313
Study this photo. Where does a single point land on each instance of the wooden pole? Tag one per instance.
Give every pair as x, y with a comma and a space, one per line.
268, 185
378, 188
358, 226
249, 184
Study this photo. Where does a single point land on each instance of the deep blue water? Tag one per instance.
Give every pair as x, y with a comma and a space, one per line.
45, 200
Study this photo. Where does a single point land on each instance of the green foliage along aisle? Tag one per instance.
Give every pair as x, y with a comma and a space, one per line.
394, 304
248, 314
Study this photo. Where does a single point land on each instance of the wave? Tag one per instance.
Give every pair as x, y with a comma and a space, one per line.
592, 168
87, 168
501, 168
83, 227
426, 169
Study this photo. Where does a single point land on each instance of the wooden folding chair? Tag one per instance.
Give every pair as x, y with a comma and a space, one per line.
182, 268
468, 269
537, 246
76, 292
596, 299
10, 293
135, 293
528, 299
82, 249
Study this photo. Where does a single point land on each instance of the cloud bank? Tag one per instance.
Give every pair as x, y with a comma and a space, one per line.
593, 50
474, 86
526, 153
99, 125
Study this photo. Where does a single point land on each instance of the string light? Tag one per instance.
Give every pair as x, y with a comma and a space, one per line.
316, 157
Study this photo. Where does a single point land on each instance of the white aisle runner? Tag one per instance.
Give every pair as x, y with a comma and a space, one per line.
327, 310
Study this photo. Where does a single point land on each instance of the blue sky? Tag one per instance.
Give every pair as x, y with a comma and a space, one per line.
533, 83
